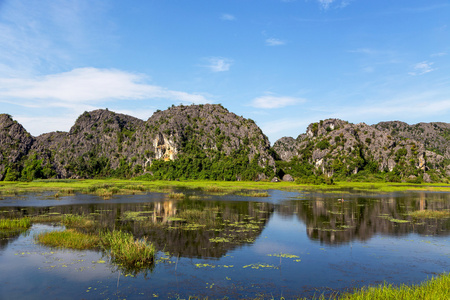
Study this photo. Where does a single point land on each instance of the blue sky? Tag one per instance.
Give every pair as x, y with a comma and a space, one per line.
284, 64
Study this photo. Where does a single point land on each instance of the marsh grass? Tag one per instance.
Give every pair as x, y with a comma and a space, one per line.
22, 223
123, 186
69, 238
435, 288
77, 221
176, 196
124, 249
254, 194
430, 214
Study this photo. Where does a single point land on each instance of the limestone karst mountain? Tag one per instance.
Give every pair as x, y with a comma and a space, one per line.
338, 148
104, 143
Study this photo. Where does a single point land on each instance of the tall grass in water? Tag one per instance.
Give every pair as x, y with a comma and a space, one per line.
124, 249
435, 288
69, 238
77, 221
15, 223
176, 196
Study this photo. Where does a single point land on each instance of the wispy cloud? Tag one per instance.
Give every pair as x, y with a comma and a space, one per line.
270, 101
47, 36
439, 54
87, 86
274, 42
228, 17
422, 68
219, 64
325, 3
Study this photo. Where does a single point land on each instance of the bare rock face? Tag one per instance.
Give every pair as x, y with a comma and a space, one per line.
211, 127
15, 142
435, 136
98, 140
288, 177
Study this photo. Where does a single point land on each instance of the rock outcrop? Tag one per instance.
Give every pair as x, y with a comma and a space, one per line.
105, 143
15, 142
334, 146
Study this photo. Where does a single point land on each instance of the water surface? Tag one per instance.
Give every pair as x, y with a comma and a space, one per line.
286, 245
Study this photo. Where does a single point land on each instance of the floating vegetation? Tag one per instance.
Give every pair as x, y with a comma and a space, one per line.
284, 255
430, 214
393, 220
213, 266
219, 240
134, 216
260, 266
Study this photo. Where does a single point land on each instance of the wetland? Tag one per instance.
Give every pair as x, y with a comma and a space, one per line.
261, 244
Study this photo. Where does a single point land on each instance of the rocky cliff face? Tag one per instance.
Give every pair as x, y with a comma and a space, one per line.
15, 142
102, 142
337, 146
435, 136
210, 127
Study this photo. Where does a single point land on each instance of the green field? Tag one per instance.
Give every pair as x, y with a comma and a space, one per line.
109, 187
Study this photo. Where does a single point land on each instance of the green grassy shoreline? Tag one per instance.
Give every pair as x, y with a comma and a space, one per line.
109, 187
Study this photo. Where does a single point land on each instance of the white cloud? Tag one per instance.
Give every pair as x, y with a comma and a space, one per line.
325, 3
228, 17
270, 101
274, 42
439, 54
219, 64
422, 68
86, 86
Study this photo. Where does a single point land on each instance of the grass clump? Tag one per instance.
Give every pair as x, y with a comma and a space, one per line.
254, 194
430, 214
21, 223
77, 221
69, 238
176, 196
124, 249
435, 288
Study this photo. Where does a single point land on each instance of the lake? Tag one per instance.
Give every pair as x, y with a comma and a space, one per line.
290, 244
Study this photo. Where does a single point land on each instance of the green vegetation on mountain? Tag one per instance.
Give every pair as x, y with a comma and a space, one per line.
207, 142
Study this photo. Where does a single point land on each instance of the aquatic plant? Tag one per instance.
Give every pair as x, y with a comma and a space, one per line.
435, 288
15, 223
124, 249
176, 196
77, 221
69, 238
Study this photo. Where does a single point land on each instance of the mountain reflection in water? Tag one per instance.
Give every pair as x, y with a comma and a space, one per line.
210, 227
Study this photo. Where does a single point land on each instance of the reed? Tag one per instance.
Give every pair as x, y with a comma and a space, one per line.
77, 221
124, 249
21, 223
176, 196
69, 238
436, 288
